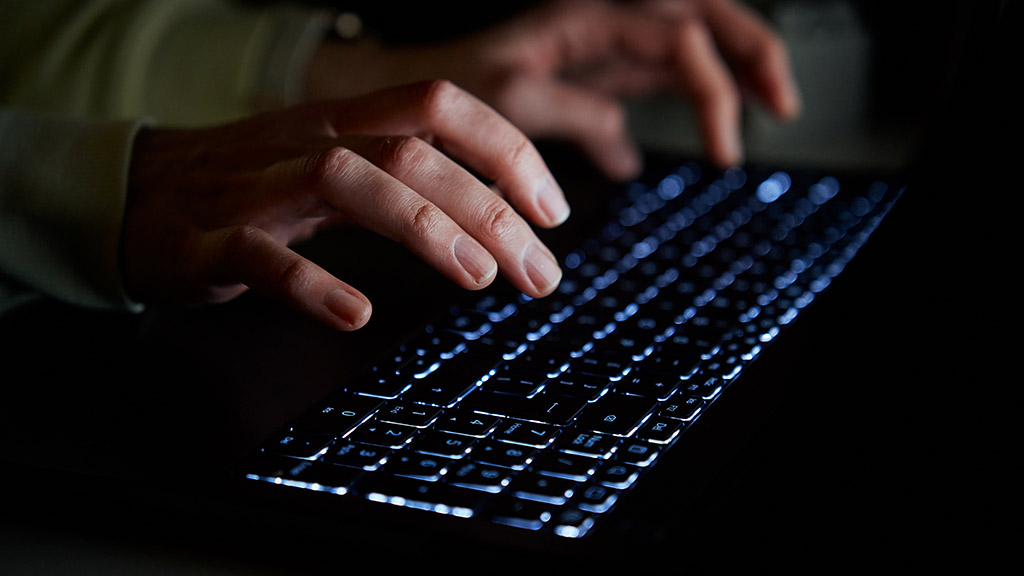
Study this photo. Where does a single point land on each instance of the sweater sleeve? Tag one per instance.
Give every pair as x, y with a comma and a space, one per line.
62, 197
186, 62
74, 77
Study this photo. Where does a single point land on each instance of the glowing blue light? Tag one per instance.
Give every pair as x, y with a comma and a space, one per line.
644, 248
823, 190
428, 371
575, 531
773, 187
670, 187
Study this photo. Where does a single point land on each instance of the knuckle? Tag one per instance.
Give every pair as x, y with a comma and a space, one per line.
239, 241
426, 221
519, 152
399, 153
295, 278
499, 222
436, 97
327, 164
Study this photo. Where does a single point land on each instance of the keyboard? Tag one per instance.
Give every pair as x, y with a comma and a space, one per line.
542, 414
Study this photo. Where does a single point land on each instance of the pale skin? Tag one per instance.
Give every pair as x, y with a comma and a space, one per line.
212, 213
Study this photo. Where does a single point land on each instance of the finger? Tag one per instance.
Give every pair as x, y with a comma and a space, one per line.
251, 256
469, 130
756, 53
707, 81
549, 108
471, 205
346, 182
668, 32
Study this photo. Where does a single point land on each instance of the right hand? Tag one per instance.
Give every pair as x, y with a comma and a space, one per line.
211, 212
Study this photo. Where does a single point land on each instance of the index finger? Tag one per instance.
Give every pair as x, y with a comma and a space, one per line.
470, 131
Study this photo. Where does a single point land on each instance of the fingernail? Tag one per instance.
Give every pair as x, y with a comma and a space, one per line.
475, 260
349, 308
542, 269
552, 201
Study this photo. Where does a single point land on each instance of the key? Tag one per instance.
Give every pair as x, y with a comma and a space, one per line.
596, 498
648, 384
526, 433
302, 473
392, 375
517, 381
478, 476
548, 362
539, 488
409, 414
383, 434
520, 513
637, 453
543, 408
361, 456
300, 444
704, 386
618, 475
467, 423
462, 370
434, 343
605, 365
438, 392
588, 444
681, 407
583, 386
562, 465
419, 466
434, 496
660, 430
513, 456
572, 523
617, 414
678, 363
339, 414
444, 444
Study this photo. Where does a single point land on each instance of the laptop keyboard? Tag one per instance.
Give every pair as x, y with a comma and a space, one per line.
542, 413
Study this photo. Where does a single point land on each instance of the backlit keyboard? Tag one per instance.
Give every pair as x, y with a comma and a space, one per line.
542, 413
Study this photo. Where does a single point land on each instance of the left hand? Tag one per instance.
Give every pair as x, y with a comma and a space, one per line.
560, 71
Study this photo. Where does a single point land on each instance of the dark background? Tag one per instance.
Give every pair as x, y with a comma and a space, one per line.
895, 435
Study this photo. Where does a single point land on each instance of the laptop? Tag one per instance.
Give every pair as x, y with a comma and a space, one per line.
741, 367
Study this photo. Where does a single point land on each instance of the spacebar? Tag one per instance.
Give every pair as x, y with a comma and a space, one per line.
547, 408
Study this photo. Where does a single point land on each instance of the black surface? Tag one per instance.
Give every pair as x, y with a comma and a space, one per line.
842, 436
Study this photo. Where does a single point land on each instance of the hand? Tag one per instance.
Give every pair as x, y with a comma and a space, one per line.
561, 71
211, 212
